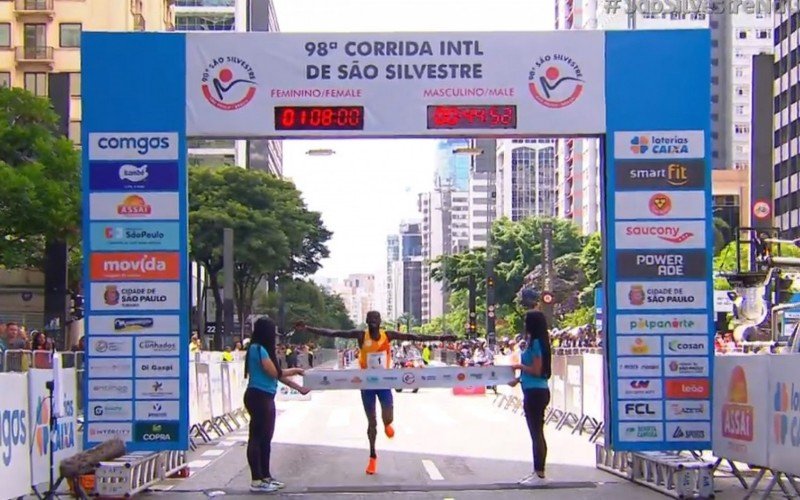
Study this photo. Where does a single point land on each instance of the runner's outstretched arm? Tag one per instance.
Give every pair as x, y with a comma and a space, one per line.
324, 332
419, 338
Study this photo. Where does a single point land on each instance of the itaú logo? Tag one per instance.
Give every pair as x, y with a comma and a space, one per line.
146, 263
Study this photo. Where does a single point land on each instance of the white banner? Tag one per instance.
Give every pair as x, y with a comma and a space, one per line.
238, 384
783, 402
64, 442
529, 83
286, 393
741, 422
593, 390
194, 410
203, 391
15, 436
215, 383
408, 378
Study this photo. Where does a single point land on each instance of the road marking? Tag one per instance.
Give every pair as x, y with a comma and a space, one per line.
198, 464
228, 442
213, 453
432, 471
437, 415
339, 417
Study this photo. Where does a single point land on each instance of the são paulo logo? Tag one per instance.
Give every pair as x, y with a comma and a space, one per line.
555, 81
229, 83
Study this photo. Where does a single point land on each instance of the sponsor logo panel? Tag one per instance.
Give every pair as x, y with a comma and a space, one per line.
633, 205
155, 266
686, 345
158, 367
641, 410
109, 411
110, 367
686, 367
133, 146
632, 264
658, 235
99, 432
688, 431
555, 80
158, 389
229, 83
157, 410
133, 296
639, 388
688, 410
145, 324
140, 236
660, 174
661, 295
738, 413
670, 144
110, 389
110, 347
642, 432
639, 367
157, 346
158, 432
638, 324
134, 206
687, 388
133, 176
638, 346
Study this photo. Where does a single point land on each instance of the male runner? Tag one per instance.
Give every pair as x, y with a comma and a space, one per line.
374, 352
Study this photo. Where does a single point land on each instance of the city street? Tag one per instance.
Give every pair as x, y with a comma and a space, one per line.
445, 447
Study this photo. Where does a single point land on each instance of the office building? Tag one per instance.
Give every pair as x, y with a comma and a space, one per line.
786, 156
482, 192
231, 15
452, 168
40, 37
526, 178
735, 39
409, 277
392, 256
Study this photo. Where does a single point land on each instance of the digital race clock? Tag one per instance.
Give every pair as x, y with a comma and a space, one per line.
319, 118
471, 117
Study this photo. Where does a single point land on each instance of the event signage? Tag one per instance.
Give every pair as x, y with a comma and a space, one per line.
137, 269
449, 376
660, 344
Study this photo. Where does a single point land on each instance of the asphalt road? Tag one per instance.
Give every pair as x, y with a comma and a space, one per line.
445, 447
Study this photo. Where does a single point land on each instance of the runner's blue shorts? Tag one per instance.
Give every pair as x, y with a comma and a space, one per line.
369, 396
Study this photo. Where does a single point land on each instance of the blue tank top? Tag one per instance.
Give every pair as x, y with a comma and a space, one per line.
258, 377
534, 350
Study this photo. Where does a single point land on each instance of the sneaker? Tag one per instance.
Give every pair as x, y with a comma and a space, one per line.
278, 484
533, 480
262, 487
372, 466
389, 431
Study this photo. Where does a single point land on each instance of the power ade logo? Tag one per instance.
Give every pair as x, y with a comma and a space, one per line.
659, 145
229, 83
555, 81
13, 433
786, 419
737, 414
141, 145
670, 234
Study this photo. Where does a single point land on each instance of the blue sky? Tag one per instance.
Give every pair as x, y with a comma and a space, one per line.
369, 186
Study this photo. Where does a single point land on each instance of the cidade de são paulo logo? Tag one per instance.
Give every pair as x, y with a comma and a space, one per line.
133, 173
659, 144
555, 80
229, 83
640, 295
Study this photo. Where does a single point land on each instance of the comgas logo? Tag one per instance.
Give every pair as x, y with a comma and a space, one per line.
229, 83
660, 204
737, 414
670, 234
555, 81
659, 145
141, 145
13, 432
134, 206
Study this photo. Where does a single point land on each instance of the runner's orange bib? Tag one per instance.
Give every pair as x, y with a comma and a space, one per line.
375, 354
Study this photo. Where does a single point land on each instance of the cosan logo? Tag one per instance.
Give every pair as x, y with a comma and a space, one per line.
146, 263
132, 173
678, 346
141, 145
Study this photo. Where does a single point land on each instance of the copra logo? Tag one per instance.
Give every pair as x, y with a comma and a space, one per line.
13, 432
132, 173
141, 145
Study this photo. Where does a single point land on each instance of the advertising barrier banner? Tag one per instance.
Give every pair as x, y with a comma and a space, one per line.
558, 383
194, 409
16, 436
783, 403
741, 419
225, 388
592, 389
238, 384
203, 392
286, 393
215, 381
574, 396
449, 376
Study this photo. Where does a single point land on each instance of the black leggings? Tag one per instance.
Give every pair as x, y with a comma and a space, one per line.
535, 401
261, 407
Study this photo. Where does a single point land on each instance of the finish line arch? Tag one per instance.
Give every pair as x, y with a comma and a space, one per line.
645, 94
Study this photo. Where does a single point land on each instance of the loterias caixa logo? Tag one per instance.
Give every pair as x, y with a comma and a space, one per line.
555, 80
229, 83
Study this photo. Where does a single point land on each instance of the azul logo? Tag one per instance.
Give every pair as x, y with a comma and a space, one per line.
133, 173
13, 432
555, 81
141, 145
786, 417
134, 206
659, 144
229, 83
670, 234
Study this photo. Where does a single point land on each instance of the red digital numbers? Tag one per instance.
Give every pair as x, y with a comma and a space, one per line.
319, 118
450, 117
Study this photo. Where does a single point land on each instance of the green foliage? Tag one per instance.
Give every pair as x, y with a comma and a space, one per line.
592, 259
40, 192
722, 234
305, 301
579, 317
725, 260
274, 233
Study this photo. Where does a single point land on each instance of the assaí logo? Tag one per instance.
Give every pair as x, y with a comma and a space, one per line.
64, 438
141, 145
659, 144
737, 414
13, 432
786, 403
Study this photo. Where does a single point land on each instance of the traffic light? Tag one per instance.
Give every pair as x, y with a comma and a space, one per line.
76, 308
490, 281
472, 324
783, 288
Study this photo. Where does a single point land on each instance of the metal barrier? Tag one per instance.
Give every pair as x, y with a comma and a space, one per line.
136, 472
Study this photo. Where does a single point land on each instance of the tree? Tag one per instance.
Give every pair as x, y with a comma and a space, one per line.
40, 191
275, 235
722, 234
306, 301
579, 317
725, 261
